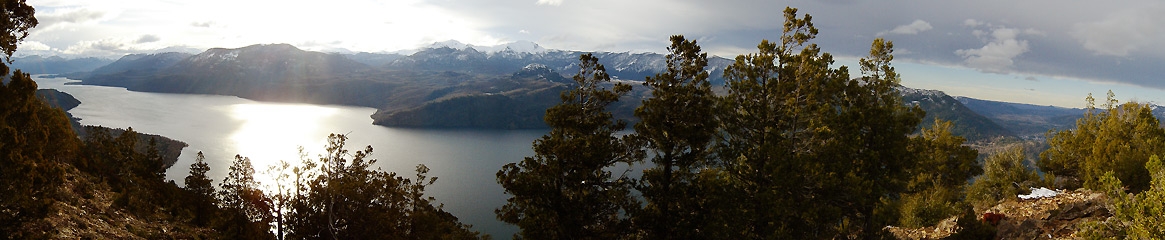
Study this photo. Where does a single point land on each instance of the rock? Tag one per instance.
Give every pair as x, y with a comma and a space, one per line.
943, 229
1055, 217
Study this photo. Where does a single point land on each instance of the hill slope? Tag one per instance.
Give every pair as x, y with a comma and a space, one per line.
967, 122
1026, 120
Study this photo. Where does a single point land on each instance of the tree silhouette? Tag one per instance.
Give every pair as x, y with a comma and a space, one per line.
565, 191
676, 129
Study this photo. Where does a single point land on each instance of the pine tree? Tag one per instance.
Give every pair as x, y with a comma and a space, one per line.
565, 191
1118, 138
811, 151
348, 199
248, 209
201, 188
676, 128
36, 142
938, 183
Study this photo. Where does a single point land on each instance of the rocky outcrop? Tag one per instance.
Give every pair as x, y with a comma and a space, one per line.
1053, 217
1058, 217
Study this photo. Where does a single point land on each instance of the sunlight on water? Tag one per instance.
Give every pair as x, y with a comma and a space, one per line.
465, 160
269, 132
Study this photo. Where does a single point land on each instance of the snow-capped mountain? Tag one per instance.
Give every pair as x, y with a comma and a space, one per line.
507, 58
967, 122
516, 46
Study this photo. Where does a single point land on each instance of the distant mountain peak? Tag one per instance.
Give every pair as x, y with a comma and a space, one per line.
535, 66
523, 46
515, 47
454, 44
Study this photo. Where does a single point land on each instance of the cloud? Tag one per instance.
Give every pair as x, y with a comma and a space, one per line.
205, 24
34, 46
148, 38
909, 29
550, 2
973, 23
48, 20
108, 48
1002, 47
1122, 33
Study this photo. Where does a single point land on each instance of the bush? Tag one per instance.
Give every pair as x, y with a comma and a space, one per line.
1118, 139
929, 207
1137, 216
1004, 174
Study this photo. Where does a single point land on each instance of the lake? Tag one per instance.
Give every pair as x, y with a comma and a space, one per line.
464, 160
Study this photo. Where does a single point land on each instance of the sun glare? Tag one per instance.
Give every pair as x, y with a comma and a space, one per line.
273, 132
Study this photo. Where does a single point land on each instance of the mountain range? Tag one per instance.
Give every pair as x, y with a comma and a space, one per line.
457, 85
56, 64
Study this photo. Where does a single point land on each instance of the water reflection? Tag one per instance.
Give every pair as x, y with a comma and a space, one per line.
464, 160
271, 132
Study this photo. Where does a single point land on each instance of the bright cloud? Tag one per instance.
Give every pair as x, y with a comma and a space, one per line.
1002, 47
34, 46
909, 29
550, 2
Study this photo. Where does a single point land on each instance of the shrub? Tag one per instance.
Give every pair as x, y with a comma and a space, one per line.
1004, 174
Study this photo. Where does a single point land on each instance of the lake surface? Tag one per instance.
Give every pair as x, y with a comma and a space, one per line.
464, 160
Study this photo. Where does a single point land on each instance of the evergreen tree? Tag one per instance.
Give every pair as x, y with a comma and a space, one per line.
676, 128
1135, 216
248, 209
201, 188
939, 180
349, 200
565, 191
811, 151
36, 142
1118, 138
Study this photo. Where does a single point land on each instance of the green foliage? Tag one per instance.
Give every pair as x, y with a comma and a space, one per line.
1120, 138
338, 196
247, 212
811, 150
36, 142
1137, 216
18, 18
930, 206
938, 180
943, 160
675, 127
1004, 175
202, 190
565, 191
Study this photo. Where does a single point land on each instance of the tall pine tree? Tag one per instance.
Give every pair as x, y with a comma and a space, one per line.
676, 129
565, 191
810, 151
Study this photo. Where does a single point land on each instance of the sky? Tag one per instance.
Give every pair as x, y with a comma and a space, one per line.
1045, 52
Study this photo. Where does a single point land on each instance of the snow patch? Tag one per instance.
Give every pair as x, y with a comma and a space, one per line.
515, 47
1041, 192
